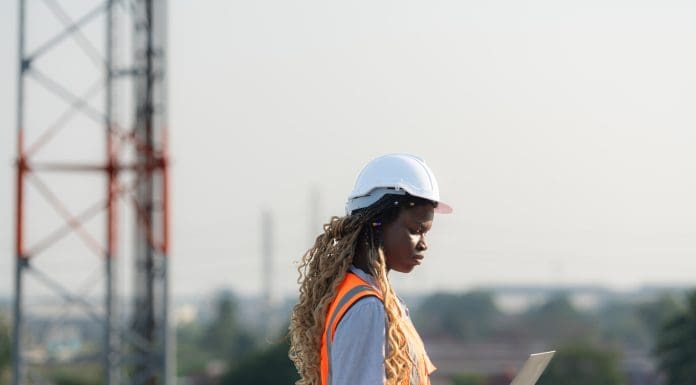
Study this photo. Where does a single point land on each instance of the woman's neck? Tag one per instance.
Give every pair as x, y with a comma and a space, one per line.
360, 260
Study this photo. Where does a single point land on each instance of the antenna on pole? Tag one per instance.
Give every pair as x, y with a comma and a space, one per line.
267, 251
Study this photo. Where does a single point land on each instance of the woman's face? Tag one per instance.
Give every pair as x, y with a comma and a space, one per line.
404, 238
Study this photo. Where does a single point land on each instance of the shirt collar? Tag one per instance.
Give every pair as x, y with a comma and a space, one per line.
365, 277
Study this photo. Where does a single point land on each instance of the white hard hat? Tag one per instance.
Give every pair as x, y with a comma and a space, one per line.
395, 174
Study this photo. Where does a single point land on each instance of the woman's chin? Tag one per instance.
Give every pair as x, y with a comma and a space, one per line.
405, 269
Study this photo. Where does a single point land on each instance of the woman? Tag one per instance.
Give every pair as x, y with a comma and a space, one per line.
349, 327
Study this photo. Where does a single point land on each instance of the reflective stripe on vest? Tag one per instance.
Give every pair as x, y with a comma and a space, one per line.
349, 292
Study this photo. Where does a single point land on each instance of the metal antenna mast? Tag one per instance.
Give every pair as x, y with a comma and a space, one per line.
150, 312
79, 159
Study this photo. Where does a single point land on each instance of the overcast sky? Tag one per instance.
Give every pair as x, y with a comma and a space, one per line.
562, 133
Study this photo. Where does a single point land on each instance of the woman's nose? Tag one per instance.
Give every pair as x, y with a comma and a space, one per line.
422, 244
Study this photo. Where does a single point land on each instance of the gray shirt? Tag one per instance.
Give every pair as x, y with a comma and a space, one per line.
357, 354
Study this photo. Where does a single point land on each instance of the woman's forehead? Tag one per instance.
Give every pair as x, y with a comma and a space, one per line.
420, 213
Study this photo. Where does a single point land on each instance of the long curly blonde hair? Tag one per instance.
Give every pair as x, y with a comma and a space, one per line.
322, 269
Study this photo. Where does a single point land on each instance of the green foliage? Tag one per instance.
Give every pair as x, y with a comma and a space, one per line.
473, 317
192, 355
266, 367
620, 323
467, 317
75, 375
557, 320
224, 336
468, 379
676, 345
635, 325
4, 345
223, 339
654, 314
583, 365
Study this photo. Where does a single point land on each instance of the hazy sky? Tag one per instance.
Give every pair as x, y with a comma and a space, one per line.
562, 133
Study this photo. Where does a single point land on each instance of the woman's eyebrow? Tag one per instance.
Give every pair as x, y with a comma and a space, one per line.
424, 225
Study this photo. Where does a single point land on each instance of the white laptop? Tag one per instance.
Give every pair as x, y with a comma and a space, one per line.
532, 369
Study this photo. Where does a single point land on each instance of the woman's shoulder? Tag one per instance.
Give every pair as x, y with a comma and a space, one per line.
367, 310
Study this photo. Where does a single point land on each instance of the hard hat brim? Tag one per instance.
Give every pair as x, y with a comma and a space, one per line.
357, 203
443, 208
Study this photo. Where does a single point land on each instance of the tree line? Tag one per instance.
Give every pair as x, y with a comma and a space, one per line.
224, 350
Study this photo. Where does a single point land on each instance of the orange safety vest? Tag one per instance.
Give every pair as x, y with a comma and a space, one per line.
350, 291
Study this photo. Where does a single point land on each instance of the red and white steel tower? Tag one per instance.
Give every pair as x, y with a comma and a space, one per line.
92, 141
